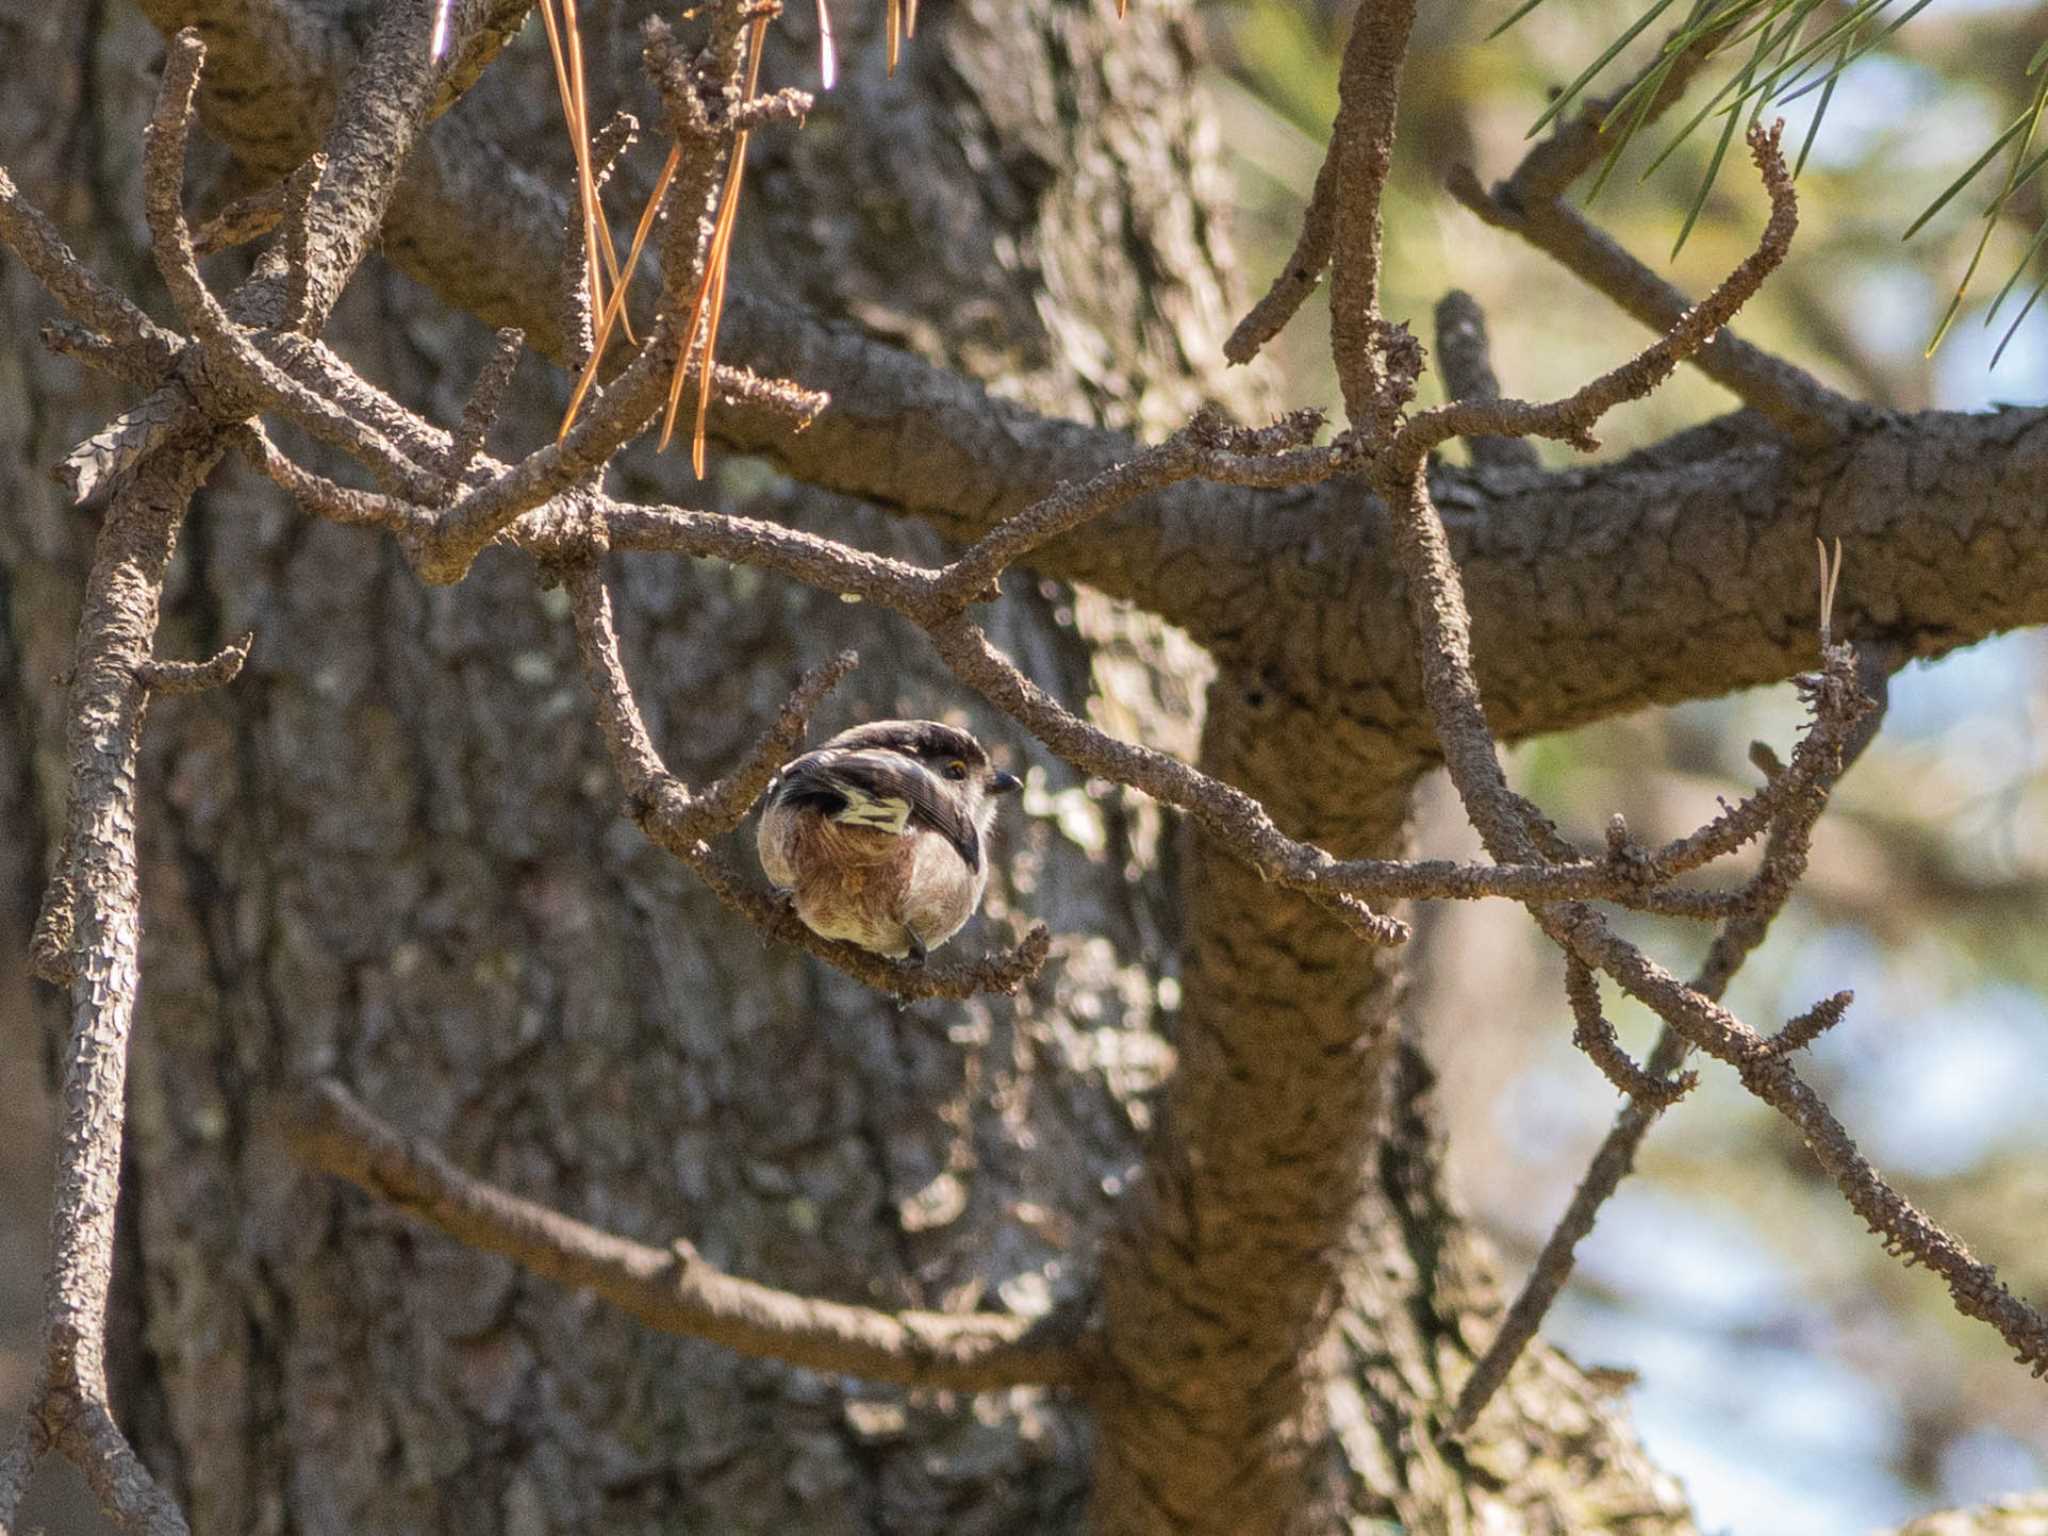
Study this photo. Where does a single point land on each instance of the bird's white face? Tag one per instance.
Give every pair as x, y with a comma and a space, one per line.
977, 790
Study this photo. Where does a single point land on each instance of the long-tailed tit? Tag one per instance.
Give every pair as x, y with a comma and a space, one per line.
880, 836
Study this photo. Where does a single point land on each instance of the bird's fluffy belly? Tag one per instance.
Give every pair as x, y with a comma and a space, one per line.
871, 888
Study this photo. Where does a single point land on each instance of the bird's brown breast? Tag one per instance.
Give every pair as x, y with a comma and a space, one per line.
872, 888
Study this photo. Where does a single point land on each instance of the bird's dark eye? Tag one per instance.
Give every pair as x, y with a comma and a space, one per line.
956, 770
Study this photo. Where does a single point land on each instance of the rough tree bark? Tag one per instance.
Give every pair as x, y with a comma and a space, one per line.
392, 850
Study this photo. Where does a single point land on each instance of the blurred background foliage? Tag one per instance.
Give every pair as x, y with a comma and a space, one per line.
1795, 1377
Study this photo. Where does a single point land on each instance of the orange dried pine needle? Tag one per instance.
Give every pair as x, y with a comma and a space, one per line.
706, 375
595, 230
616, 307
709, 301
895, 30
579, 145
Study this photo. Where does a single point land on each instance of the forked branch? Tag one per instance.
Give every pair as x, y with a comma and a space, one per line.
1826, 751
682, 822
1471, 754
1571, 419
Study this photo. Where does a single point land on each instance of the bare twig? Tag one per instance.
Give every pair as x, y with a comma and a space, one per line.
549, 504
325, 498
1801, 1032
1571, 419
164, 185
1530, 202
1791, 399
1238, 823
1375, 371
972, 577
88, 935
97, 891
824, 563
231, 377
579, 289
103, 458
28, 232
1768, 1073
675, 1290
217, 671
245, 219
1435, 592
480, 411
1304, 269
1791, 801
660, 801
129, 364
1783, 861
786, 398
1450, 691
1465, 361
299, 188
1273, 455
1437, 601
385, 102
999, 973
1595, 1036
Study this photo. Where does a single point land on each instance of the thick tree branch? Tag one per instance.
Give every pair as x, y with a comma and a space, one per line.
100, 934
675, 1290
905, 434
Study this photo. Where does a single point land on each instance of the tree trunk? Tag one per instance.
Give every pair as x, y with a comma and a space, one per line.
394, 852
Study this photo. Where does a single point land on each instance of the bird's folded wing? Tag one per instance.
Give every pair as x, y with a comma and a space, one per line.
883, 791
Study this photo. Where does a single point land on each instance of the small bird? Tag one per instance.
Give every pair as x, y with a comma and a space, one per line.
878, 836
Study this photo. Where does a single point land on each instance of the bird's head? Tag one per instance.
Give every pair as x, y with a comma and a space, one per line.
946, 752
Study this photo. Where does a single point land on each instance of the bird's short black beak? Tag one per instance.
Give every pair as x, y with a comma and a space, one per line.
1004, 783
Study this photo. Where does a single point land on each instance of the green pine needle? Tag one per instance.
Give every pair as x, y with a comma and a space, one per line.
1821, 110
1570, 93
2012, 131
1783, 66
2013, 329
2019, 270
